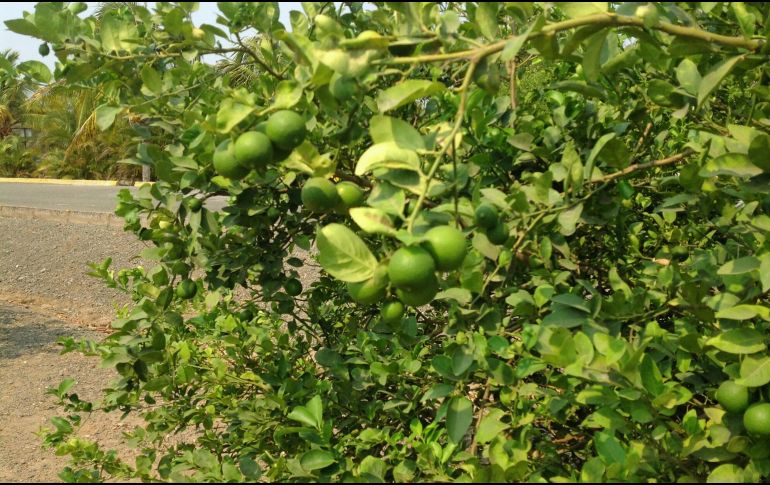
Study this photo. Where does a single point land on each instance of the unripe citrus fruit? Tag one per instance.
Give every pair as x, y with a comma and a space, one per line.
421, 295
756, 419
447, 246
293, 287
498, 234
198, 34
392, 311
44, 50
253, 149
350, 194
286, 129
225, 163
319, 195
733, 397
194, 204
372, 290
411, 267
186, 289
486, 216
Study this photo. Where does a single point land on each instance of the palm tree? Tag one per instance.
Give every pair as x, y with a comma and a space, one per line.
14, 90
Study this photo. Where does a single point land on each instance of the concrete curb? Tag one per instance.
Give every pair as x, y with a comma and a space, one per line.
67, 216
92, 183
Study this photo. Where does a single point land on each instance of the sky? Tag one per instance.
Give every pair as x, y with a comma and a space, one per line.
27, 46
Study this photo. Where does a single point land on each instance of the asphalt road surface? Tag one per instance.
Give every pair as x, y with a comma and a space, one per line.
81, 198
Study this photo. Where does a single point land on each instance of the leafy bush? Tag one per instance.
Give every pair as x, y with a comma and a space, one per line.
616, 277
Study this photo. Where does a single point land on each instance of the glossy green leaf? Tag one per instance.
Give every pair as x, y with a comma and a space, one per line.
459, 418
344, 255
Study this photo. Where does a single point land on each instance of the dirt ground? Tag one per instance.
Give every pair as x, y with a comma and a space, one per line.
45, 294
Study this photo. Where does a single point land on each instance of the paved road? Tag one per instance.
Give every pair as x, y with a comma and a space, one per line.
71, 197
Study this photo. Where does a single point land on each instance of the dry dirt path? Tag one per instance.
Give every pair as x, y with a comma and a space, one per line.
45, 294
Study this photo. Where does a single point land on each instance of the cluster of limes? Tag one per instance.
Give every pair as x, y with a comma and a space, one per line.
322, 195
269, 141
487, 218
411, 272
735, 398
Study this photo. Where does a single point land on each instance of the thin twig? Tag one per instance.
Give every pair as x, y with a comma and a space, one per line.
641, 166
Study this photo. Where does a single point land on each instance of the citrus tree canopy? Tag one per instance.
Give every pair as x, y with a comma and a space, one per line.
464, 241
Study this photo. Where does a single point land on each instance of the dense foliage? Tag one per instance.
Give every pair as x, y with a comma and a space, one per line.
606, 168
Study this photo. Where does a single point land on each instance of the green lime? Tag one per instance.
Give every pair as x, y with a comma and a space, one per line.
392, 311
319, 195
486, 216
44, 50
733, 397
421, 295
498, 234
447, 245
225, 163
186, 289
194, 204
756, 419
411, 267
293, 287
286, 129
372, 290
350, 194
253, 149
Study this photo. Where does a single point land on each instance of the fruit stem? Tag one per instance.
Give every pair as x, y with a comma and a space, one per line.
450, 140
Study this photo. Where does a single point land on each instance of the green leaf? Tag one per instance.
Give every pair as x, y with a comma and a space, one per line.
344, 255
609, 448
581, 9
739, 266
727, 473
738, 341
580, 87
406, 92
711, 80
373, 221
230, 114
744, 312
316, 460
491, 426
755, 372
564, 316
592, 55
460, 295
459, 418
23, 27
514, 45
569, 218
574, 301
652, 380
764, 271
287, 94
36, 69
388, 155
303, 415
486, 19
598, 147
105, 116
731, 164
386, 129
688, 76
151, 79
116, 33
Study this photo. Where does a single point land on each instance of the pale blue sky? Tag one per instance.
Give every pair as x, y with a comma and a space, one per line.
27, 46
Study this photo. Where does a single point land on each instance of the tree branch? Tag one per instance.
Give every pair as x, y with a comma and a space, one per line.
642, 166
